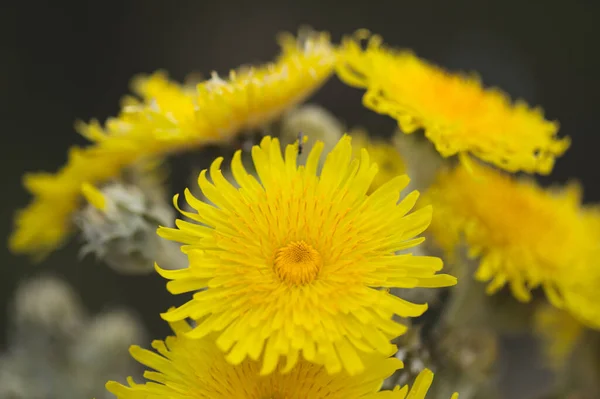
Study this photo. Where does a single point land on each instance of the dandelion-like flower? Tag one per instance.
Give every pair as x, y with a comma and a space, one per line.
196, 368
166, 118
48, 219
218, 109
524, 236
457, 114
385, 154
293, 263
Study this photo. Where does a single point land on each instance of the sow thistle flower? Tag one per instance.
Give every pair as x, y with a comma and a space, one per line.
48, 220
180, 117
457, 114
292, 264
525, 236
166, 118
196, 368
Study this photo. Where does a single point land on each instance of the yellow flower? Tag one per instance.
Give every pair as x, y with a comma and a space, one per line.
47, 221
385, 154
560, 332
293, 262
186, 368
219, 109
524, 235
167, 118
456, 113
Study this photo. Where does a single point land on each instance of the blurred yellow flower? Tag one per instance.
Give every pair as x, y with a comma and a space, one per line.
525, 236
196, 368
47, 221
456, 113
383, 153
167, 118
292, 264
218, 109
560, 332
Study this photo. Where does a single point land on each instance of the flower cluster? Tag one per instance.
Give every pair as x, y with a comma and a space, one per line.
288, 268
303, 256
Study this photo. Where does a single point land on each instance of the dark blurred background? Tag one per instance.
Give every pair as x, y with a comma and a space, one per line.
68, 60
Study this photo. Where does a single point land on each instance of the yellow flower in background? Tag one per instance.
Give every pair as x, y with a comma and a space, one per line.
197, 368
219, 109
524, 236
457, 114
47, 221
560, 332
291, 265
167, 118
383, 153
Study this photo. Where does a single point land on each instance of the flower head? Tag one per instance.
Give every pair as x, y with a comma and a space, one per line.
218, 109
196, 368
167, 118
456, 113
525, 236
294, 262
48, 220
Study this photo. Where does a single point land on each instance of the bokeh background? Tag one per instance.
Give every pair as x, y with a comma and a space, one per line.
68, 60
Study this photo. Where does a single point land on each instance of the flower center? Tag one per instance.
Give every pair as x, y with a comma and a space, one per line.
297, 263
